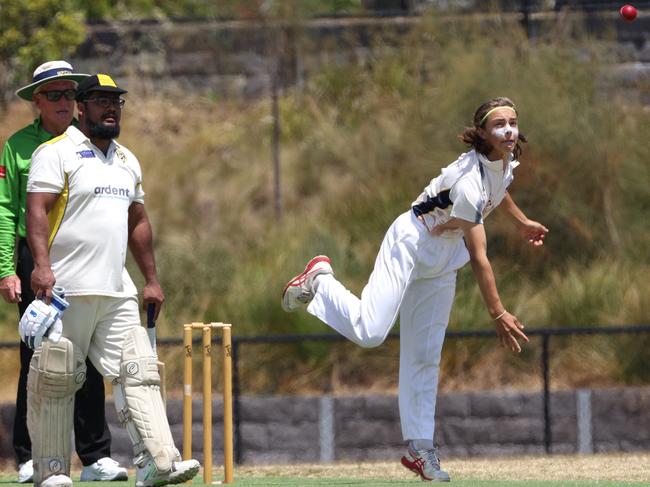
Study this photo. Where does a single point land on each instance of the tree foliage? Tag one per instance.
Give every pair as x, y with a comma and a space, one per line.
33, 32
38, 30
214, 9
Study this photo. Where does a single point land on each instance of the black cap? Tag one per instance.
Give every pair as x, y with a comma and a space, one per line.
97, 82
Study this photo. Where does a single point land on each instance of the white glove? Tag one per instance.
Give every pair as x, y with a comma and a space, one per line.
35, 322
43, 320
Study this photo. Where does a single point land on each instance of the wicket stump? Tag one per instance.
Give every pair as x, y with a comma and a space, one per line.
207, 398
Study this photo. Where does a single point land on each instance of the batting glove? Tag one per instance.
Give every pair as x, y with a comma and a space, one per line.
42, 320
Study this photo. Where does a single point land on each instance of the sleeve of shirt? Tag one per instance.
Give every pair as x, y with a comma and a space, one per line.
139, 190
9, 209
139, 193
467, 201
46, 174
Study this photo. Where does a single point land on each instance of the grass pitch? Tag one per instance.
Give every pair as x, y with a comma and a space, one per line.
553, 471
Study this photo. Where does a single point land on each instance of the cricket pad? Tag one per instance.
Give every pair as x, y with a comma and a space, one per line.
139, 403
56, 372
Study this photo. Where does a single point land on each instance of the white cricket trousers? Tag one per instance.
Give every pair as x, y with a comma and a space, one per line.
97, 325
414, 276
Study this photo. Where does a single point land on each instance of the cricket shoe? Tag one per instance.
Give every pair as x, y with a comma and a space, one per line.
59, 480
26, 472
150, 476
426, 464
105, 469
299, 291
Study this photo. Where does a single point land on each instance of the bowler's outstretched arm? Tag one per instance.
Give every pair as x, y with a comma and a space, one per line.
507, 325
534, 232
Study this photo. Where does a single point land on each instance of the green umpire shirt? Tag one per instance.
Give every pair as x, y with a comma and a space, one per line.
14, 170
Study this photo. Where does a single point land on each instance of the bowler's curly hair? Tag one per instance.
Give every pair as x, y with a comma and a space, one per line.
471, 137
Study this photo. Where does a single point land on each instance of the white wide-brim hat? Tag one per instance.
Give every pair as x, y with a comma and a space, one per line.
48, 72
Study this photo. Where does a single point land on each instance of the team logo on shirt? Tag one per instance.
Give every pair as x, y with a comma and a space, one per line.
85, 154
112, 192
120, 155
3, 172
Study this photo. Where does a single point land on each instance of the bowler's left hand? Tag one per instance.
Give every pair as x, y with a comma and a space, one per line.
509, 330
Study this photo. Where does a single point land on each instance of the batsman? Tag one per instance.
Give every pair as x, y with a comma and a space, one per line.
85, 208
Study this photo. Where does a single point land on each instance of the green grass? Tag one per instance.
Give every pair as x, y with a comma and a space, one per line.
300, 481
530, 471
293, 481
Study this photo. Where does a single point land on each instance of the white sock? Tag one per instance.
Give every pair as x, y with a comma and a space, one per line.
421, 444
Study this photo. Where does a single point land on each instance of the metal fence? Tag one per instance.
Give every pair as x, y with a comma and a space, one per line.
545, 359
544, 333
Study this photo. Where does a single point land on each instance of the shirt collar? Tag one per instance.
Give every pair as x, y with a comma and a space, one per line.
78, 138
497, 165
76, 135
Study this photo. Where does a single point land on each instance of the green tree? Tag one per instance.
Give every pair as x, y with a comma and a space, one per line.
213, 9
32, 32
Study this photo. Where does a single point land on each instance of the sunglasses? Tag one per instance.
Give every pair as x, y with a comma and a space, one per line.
105, 101
55, 95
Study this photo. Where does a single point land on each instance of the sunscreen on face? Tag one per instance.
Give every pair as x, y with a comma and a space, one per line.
502, 131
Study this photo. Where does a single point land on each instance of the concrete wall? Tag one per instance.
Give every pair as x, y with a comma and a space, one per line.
236, 58
289, 429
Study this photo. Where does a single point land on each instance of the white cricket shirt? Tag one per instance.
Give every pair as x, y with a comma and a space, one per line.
469, 188
89, 222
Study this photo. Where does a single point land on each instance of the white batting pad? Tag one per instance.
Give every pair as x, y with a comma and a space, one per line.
56, 372
139, 403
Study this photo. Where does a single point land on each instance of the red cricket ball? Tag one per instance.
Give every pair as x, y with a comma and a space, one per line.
628, 12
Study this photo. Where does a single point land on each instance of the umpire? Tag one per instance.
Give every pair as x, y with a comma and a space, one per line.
52, 91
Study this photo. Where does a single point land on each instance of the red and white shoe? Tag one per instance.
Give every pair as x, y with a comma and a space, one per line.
426, 464
299, 291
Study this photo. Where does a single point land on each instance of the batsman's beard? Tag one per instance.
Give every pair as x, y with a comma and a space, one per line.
100, 131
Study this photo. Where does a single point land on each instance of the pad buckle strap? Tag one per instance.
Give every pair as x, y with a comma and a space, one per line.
141, 458
124, 416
